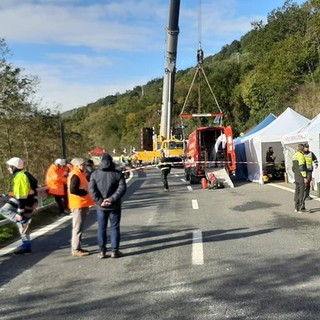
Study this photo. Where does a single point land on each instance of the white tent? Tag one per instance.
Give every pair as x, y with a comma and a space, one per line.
310, 133
271, 136
240, 149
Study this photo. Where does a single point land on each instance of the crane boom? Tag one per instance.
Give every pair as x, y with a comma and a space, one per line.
170, 69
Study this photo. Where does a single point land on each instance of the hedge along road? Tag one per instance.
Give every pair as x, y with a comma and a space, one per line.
237, 253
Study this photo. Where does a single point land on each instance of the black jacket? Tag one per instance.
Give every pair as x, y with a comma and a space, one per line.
107, 183
165, 164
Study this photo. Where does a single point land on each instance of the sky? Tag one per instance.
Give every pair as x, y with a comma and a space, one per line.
84, 50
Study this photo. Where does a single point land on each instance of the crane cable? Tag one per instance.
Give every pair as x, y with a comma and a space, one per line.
200, 70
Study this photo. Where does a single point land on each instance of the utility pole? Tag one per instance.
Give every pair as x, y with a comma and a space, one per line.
63, 141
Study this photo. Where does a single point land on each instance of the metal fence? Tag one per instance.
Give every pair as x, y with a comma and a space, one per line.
42, 195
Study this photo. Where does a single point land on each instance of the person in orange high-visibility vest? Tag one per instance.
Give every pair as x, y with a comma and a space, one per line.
79, 203
56, 181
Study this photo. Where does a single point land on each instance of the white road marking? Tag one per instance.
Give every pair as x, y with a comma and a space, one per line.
289, 189
195, 205
189, 188
35, 234
197, 248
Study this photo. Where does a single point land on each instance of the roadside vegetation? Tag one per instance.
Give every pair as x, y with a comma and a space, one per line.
274, 66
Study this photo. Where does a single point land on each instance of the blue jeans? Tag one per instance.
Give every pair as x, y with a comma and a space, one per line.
103, 216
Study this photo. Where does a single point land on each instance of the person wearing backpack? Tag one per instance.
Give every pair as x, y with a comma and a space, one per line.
22, 202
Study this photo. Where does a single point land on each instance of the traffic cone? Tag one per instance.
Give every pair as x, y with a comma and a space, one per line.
203, 183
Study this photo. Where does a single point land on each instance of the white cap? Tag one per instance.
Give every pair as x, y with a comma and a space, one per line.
60, 162
15, 162
78, 162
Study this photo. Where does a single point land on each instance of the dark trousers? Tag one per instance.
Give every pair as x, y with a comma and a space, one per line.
299, 197
103, 216
60, 200
307, 185
164, 176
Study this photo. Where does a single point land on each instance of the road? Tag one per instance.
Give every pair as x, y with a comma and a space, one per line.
239, 253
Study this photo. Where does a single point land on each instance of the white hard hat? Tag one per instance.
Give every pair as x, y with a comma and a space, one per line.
60, 162
15, 162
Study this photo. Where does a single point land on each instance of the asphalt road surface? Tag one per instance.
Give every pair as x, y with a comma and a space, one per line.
233, 253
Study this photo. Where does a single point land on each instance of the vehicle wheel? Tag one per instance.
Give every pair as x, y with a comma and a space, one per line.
193, 179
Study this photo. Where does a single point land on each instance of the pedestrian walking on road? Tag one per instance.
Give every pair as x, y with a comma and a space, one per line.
107, 186
21, 203
311, 161
165, 167
79, 201
299, 169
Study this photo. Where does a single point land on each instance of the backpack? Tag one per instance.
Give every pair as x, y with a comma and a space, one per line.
33, 182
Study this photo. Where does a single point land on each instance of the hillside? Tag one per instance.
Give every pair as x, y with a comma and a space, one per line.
273, 66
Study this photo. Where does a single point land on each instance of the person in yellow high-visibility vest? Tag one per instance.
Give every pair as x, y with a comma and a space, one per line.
311, 161
299, 169
21, 203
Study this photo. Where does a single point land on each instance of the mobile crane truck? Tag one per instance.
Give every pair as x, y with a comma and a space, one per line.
152, 143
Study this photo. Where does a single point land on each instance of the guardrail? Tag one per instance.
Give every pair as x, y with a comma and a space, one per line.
42, 195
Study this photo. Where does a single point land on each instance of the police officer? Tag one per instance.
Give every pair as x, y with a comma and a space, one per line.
299, 169
165, 167
311, 160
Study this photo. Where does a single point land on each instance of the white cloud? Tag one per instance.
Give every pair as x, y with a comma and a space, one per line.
81, 60
95, 26
85, 50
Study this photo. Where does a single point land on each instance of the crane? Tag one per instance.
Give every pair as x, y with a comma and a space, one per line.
164, 141
170, 69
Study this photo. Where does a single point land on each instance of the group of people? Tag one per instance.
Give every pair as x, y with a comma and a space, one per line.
76, 187
303, 163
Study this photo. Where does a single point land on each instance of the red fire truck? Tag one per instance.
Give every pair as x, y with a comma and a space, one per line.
209, 149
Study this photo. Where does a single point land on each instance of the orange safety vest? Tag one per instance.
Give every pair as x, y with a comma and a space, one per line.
75, 201
56, 180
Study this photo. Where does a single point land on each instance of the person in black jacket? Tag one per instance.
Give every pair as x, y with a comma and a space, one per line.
106, 187
89, 168
165, 167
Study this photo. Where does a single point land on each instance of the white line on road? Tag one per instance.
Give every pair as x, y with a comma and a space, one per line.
289, 189
197, 248
35, 234
189, 188
195, 204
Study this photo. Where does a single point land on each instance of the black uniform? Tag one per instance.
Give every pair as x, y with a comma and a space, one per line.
165, 166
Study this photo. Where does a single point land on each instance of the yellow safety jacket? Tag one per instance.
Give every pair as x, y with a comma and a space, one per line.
310, 160
21, 185
299, 166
